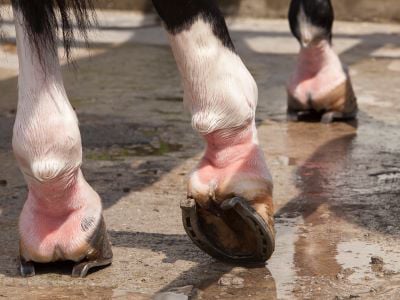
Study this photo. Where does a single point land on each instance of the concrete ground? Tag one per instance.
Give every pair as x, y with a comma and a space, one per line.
337, 187
355, 10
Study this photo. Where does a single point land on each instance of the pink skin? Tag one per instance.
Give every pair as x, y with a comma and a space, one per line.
233, 164
318, 72
50, 222
62, 210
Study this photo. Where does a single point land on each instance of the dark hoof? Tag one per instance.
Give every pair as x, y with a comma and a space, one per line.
100, 254
292, 116
331, 117
264, 235
27, 268
323, 117
82, 269
304, 115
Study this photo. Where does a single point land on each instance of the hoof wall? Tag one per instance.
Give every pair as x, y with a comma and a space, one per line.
99, 255
82, 269
264, 235
331, 117
26, 268
323, 117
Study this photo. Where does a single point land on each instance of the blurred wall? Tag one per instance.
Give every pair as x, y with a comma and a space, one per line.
365, 10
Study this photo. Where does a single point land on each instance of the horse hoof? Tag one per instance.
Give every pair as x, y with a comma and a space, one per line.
26, 268
98, 255
245, 216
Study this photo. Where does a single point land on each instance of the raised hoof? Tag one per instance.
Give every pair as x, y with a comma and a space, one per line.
264, 235
26, 268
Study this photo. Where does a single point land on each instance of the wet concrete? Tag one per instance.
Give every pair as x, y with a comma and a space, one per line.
337, 187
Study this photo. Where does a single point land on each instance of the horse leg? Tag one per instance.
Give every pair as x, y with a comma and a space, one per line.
62, 216
320, 85
229, 210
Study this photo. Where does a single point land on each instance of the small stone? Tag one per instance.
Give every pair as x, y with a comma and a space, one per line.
225, 281
237, 281
325, 216
229, 280
389, 229
354, 296
377, 260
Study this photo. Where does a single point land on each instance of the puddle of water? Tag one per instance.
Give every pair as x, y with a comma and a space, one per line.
356, 256
277, 281
242, 283
282, 265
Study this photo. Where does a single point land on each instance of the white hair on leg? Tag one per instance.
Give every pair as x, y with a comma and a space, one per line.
219, 91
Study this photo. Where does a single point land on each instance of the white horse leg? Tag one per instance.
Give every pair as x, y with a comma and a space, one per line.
320, 85
222, 96
62, 216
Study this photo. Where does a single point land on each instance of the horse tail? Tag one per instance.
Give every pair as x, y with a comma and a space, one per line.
41, 21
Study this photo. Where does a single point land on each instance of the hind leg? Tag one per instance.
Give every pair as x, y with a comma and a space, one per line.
229, 211
62, 216
320, 85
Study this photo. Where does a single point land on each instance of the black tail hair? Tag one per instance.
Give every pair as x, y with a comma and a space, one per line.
40, 17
